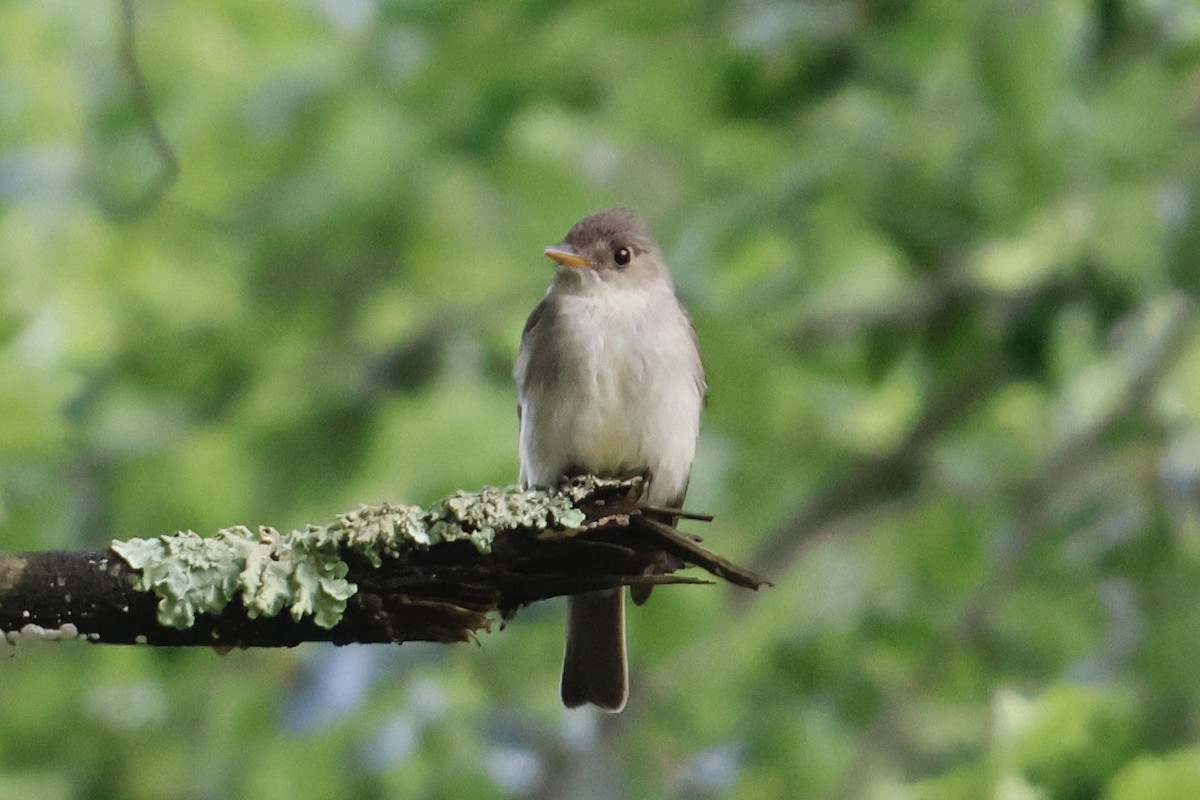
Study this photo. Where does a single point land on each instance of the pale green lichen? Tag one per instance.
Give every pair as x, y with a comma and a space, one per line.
302, 571
491, 510
267, 570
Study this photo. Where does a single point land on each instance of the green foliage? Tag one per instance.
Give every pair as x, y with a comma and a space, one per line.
1158, 778
941, 257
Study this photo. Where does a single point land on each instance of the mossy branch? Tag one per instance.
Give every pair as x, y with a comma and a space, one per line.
386, 573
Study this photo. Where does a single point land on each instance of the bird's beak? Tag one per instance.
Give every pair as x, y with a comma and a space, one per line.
565, 254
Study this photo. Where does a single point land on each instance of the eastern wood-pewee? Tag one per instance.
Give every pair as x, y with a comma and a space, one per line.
610, 383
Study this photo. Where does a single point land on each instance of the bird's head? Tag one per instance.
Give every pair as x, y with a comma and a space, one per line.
611, 247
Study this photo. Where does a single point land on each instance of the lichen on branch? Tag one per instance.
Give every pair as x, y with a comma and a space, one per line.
304, 571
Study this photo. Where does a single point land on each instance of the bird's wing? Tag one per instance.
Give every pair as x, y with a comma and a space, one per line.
521, 368
701, 381
535, 316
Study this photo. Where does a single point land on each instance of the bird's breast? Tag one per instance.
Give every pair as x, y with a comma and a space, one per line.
624, 397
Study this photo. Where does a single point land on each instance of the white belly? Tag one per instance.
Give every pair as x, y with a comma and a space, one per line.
626, 402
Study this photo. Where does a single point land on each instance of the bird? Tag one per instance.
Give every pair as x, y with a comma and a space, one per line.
610, 382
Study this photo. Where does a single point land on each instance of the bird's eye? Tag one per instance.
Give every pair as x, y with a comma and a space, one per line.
622, 256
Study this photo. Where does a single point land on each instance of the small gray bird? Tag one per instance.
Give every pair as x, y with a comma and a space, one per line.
609, 383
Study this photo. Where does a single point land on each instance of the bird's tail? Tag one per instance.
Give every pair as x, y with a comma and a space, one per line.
595, 668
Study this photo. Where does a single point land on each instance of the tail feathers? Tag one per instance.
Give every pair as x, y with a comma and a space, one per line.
594, 666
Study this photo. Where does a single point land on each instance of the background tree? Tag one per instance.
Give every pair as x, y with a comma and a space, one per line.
941, 257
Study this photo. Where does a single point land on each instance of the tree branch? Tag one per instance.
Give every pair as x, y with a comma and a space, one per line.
377, 574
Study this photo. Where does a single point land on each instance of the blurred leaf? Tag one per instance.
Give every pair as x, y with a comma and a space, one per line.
1157, 777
